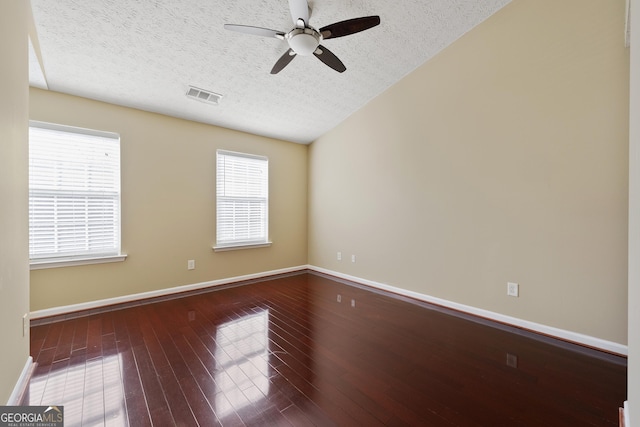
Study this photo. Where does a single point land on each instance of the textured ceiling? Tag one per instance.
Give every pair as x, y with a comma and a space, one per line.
144, 54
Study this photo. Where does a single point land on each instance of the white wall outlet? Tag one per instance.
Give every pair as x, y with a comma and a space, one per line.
512, 289
339, 298
353, 258
191, 264
25, 324
353, 303
339, 256
512, 360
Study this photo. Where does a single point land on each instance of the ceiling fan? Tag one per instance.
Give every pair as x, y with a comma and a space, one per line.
305, 40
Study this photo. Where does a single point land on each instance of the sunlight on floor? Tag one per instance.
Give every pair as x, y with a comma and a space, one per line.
242, 354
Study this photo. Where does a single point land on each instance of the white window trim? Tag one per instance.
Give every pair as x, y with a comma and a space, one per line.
234, 247
238, 245
87, 259
73, 129
41, 264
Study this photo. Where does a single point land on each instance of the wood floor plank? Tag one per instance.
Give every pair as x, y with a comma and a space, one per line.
198, 403
80, 335
137, 412
93, 410
304, 349
53, 335
113, 384
135, 402
153, 394
65, 341
107, 323
94, 337
56, 381
179, 408
297, 417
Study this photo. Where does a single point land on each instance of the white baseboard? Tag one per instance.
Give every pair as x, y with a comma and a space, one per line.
21, 385
56, 311
565, 335
562, 334
625, 414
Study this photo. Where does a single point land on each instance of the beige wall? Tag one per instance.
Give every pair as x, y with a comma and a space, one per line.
502, 159
168, 204
14, 249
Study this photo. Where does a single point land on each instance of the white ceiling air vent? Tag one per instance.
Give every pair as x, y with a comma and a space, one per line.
204, 95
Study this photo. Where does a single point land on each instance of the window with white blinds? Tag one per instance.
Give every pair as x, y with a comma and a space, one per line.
242, 198
74, 193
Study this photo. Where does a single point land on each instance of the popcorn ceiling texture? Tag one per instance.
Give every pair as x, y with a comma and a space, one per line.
144, 54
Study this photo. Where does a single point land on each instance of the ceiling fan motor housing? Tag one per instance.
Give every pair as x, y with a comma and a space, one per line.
304, 41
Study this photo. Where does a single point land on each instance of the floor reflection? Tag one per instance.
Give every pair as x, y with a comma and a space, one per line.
90, 391
308, 350
242, 356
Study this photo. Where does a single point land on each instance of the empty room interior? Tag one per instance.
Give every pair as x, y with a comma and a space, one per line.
435, 222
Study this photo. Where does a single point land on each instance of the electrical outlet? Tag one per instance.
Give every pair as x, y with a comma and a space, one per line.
353, 258
191, 264
339, 298
353, 303
25, 324
339, 256
512, 360
512, 289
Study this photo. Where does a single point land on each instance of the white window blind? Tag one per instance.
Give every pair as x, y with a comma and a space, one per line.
74, 193
242, 198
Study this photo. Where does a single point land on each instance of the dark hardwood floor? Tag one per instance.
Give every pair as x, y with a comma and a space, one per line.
306, 350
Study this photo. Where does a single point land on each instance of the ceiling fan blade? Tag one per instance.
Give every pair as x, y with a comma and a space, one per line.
299, 10
283, 61
256, 31
350, 26
325, 55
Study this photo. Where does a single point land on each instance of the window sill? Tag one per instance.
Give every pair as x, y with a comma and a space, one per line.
71, 262
241, 246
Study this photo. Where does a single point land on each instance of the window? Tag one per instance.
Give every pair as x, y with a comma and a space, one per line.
74, 196
242, 200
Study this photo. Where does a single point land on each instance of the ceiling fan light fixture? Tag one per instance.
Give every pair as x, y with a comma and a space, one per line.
303, 41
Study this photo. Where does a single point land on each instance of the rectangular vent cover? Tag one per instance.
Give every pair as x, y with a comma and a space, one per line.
204, 95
